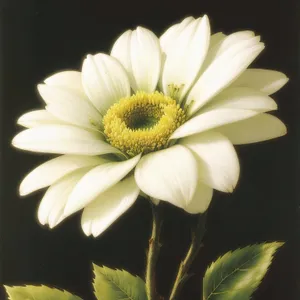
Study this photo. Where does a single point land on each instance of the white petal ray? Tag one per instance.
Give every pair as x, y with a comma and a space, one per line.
215, 40
104, 80
217, 160
121, 50
168, 42
233, 39
76, 114
223, 71
62, 139
212, 119
97, 181
170, 175
241, 98
145, 59
54, 169
201, 200
259, 128
183, 63
267, 81
139, 52
67, 79
52, 205
38, 118
221, 43
69, 106
109, 206
168, 38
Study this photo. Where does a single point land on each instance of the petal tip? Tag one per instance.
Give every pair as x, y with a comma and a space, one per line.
40, 87
51, 225
284, 130
205, 18
71, 207
23, 191
229, 189
15, 141
141, 30
86, 228
54, 222
68, 210
20, 121
42, 222
88, 234
275, 107
96, 234
42, 219
285, 80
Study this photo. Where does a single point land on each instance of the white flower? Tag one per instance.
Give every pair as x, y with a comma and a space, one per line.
156, 116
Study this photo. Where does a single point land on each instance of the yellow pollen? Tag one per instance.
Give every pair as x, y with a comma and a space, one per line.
142, 123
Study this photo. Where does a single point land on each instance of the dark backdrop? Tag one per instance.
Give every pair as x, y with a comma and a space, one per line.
42, 37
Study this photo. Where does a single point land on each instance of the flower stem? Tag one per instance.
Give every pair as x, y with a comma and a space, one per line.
182, 275
153, 252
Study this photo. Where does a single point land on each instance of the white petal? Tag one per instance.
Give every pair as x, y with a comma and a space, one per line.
267, 81
215, 40
168, 38
223, 71
109, 206
77, 114
69, 106
104, 80
221, 43
241, 98
145, 59
122, 51
233, 39
62, 139
38, 118
201, 199
168, 42
170, 175
67, 79
139, 52
52, 205
97, 181
218, 163
211, 119
183, 63
259, 128
54, 169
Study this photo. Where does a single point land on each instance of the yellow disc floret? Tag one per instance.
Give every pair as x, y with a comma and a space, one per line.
142, 123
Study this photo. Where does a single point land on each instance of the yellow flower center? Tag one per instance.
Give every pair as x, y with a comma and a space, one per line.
142, 123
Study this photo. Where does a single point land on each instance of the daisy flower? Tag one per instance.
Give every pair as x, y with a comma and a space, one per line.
158, 116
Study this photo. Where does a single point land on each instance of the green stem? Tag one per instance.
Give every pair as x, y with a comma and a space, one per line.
185, 265
153, 252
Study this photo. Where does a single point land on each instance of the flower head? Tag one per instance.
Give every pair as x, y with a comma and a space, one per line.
157, 116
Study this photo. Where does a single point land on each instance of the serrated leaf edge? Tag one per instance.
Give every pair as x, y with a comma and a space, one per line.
273, 246
100, 268
8, 288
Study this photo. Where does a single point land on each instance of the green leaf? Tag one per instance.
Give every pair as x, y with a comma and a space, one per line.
30, 292
237, 274
112, 284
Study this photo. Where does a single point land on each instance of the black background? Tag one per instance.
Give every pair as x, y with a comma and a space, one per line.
39, 38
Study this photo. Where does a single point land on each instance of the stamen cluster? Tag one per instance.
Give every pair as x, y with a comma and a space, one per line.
142, 123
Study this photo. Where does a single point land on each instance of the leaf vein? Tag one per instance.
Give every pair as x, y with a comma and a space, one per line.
222, 280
